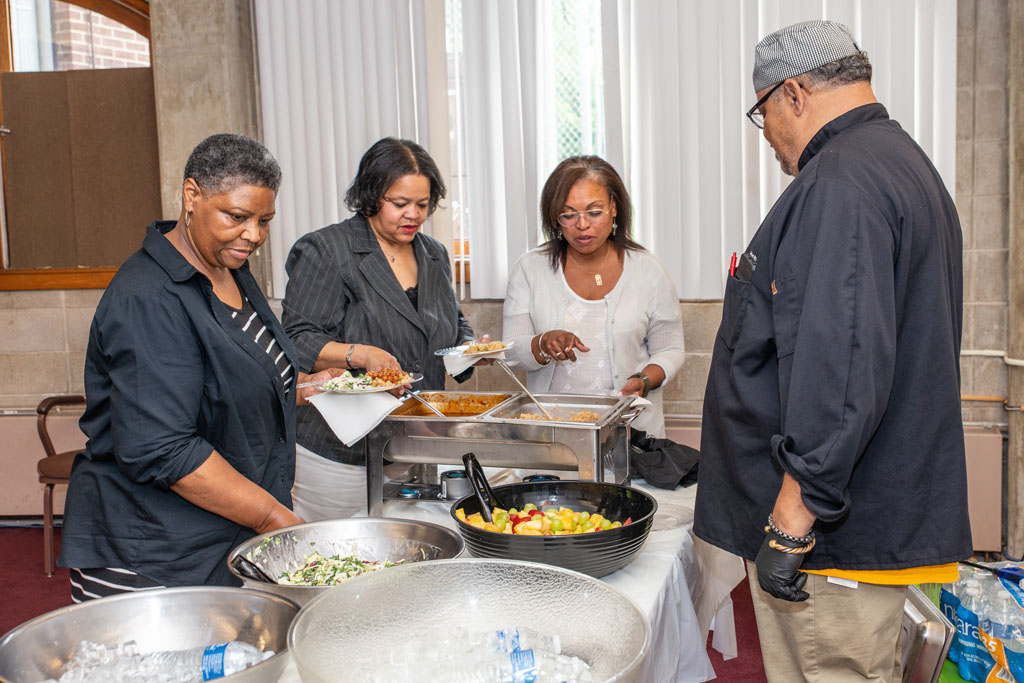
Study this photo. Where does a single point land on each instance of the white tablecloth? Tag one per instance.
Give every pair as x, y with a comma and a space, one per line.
682, 583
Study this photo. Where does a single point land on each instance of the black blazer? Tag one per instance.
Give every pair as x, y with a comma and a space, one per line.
341, 288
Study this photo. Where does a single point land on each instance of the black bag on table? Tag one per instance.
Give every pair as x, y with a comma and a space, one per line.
662, 462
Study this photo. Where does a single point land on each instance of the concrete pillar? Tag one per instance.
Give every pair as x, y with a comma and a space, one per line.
1015, 314
205, 81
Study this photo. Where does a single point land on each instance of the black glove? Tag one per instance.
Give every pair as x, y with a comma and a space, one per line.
777, 570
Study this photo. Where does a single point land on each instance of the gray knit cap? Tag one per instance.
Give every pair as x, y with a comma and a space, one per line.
800, 48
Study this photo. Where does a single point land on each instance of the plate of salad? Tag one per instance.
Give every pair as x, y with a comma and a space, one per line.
384, 379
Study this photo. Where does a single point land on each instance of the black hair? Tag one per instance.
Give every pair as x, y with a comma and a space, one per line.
385, 162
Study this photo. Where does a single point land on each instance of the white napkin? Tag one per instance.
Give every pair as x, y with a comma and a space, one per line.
640, 402
459, 363
352, 416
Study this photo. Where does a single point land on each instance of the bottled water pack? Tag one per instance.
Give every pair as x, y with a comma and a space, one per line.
988, 613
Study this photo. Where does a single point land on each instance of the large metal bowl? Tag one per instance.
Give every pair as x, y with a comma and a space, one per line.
347, 632
369, 538
162, 619
597, 554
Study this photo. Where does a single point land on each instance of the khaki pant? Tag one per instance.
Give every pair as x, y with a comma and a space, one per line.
837, 635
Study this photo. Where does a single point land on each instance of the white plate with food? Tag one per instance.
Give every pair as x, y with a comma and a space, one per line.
377, 380
476, 350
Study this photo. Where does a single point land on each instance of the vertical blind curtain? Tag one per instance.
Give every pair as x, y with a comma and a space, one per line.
677, 84
701, 176
500, 101
335, 77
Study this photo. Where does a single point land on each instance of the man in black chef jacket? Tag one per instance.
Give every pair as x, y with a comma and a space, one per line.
832, 449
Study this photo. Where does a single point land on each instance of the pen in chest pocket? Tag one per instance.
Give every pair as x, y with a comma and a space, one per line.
745, 267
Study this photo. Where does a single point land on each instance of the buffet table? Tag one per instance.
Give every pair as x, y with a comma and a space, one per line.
681, 583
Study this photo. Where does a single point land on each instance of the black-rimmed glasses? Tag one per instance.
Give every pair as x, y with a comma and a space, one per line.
755, 114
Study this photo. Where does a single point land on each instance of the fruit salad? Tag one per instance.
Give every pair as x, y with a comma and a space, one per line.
530, 521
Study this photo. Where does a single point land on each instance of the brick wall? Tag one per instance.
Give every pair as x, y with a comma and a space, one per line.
87, 40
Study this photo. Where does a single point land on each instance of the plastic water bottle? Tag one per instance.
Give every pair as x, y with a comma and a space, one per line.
122, 663
968, 584
974, 602
1008, 623
511, 639
490, 657
455, 645
520, 665
207, 663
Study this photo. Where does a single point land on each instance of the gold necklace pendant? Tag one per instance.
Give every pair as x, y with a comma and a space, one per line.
598, 280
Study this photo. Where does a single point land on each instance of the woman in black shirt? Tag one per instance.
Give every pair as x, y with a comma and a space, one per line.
191, 393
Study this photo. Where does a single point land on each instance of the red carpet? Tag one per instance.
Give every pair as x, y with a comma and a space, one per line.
28, 592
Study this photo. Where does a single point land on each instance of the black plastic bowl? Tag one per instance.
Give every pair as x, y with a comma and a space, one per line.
596, 554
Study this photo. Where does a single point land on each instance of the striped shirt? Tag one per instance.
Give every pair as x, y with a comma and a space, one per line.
90, 584
250, 323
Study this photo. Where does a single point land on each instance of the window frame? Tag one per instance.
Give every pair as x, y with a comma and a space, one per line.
131, 13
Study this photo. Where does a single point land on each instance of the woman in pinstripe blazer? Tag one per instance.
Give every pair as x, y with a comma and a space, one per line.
370, 292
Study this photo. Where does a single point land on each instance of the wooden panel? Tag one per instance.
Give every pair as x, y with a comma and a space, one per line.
40, 210
115, 176
55, 278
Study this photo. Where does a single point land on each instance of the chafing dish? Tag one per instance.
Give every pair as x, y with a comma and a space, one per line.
411, 435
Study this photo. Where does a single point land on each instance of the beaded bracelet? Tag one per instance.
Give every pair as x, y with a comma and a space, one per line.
809, 538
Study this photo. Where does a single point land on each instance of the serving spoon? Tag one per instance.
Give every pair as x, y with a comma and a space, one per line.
425, 402
504, 366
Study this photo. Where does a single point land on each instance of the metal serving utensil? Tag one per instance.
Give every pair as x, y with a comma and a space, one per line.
427, 403
250, 569
506, 368
481, 488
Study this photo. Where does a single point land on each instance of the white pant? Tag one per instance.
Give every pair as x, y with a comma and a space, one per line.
325, 489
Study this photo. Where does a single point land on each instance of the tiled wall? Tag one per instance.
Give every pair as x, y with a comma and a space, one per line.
982, 197
43, 336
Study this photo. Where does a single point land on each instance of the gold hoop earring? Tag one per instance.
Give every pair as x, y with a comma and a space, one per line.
188, 218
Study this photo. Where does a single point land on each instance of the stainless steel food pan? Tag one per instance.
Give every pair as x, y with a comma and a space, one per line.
596, 450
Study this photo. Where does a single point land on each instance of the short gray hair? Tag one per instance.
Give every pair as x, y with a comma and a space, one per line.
843, 71
224, 161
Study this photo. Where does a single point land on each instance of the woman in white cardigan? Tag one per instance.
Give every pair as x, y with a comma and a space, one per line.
591, 311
